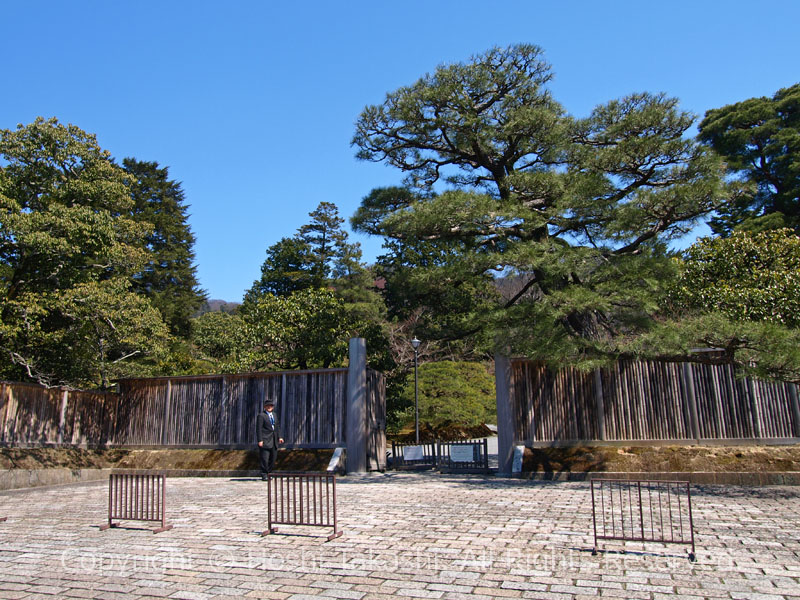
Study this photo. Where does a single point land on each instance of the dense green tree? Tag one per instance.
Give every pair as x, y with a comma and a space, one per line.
740, 296
68, 249
752, 277
760, 140
169, 278
314, 294
452, 392
317, 256
289, 268
577, 210
306, 329
219, 336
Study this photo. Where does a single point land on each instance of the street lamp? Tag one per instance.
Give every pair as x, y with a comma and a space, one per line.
415, 344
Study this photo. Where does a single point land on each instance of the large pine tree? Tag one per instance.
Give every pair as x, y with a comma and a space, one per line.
578, 211
760, 141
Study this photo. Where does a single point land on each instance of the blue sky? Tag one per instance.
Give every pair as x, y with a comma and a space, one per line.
251, 104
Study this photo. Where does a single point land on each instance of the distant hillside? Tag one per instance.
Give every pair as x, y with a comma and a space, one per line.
218, 305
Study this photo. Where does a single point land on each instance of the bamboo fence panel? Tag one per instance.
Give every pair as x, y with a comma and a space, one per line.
553, 405
222, 410
90, 418
526, 381
143, 413
34, 415
647, 401
773, 410
214, 410
641, 402
31, 414
195, 409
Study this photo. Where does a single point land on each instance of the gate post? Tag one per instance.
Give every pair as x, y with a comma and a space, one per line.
505, 414
356, 419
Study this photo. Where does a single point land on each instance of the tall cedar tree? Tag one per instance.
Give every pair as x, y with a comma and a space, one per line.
325, 237
578, 210
169, 279
760, 141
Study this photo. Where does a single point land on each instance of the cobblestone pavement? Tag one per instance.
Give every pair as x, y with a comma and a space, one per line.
405, 535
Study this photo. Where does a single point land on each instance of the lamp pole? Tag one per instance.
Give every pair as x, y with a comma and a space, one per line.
415, 344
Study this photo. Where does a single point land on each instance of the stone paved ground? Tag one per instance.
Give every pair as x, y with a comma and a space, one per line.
405, 535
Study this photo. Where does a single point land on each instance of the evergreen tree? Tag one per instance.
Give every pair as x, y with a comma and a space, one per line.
68, 249
579, 210
289, 268
169, 278
325, 237
317, 256
411, 270
760, 141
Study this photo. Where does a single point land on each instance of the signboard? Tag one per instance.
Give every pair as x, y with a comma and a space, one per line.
413, 453
462, 453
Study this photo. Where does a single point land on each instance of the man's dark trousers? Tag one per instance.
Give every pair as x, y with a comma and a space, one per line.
268, 433
268, 456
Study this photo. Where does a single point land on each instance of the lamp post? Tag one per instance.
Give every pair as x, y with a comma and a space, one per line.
415, 344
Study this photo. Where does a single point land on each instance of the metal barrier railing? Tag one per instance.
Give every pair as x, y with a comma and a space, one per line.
642, 511
301, 499
137, 496
414, 456
463, 456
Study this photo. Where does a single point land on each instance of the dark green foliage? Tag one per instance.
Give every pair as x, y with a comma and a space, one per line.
460, 393
739, 295
751, 277
326, 240
306, 329
316, 256
169, 278
577, 211
68, 248
218, 335
289, 268
760, 140
315, 270
414, 272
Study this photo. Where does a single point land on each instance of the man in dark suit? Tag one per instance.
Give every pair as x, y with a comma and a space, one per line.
268, 434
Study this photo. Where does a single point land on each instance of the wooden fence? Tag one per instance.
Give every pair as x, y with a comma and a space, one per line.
649, 401
216, 411
221, 410
34, 415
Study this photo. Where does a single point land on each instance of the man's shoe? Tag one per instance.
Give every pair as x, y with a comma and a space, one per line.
263, 478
